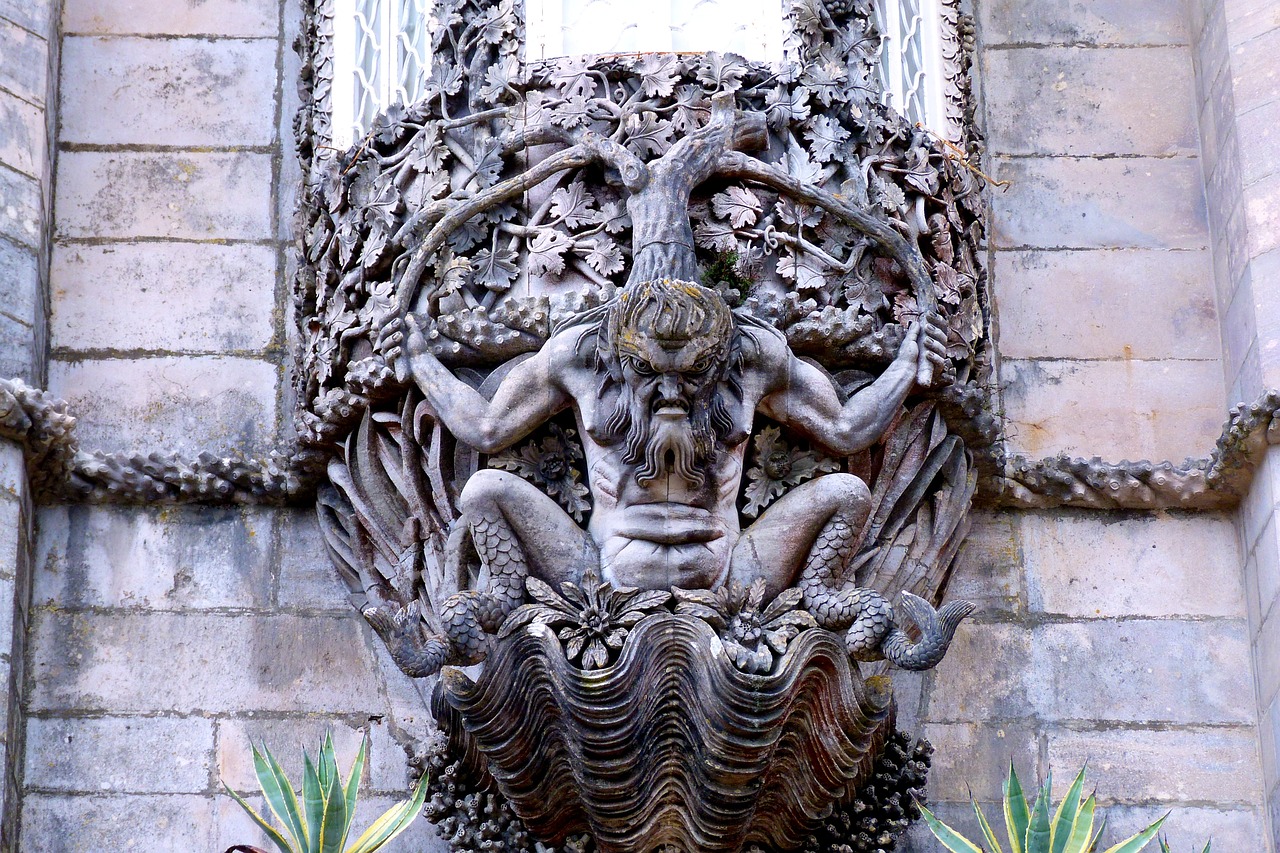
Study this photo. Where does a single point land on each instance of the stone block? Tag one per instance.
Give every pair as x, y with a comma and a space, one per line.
140, 662
22, 136
1083, 203
177, 297
1267, 567
25, 70
1085, 101
21, 208
1248, 19
308, 579
136, 755
1240, 331
242, 18
988, 567
1255, 71
1157, 410
1260, 158
1139, 671
1088, 565
34, 15
975, 758
171, 559
1189, 827
1264, 283
112, 823
985, 676
170, 405
1262, 215
20, 283
1266, 653
1121, 22
186, 195
286, 739
1257, 506
173, 91
1192, 766
1269, 735
1129, 303
17, 349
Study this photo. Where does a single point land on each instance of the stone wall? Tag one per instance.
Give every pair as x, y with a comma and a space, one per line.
163, 640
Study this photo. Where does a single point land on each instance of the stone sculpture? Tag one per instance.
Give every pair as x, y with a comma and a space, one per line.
641, 378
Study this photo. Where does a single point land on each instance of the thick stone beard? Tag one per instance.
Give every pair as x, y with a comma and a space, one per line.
661, 446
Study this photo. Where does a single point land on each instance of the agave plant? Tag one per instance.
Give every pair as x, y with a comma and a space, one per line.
321, 821
1031, 830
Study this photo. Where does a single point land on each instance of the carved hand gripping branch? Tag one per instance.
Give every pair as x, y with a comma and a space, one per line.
674, 515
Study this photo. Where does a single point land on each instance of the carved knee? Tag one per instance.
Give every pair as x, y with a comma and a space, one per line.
487, 491
843, 492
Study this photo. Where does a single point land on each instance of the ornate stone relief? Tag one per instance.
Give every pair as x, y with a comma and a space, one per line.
641, 372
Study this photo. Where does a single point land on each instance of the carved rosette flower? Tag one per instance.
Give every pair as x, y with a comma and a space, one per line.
778, 468
755, 636
592, 620
551, 465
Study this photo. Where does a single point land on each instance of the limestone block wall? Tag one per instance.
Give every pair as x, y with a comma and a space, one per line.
1238, 84
163, 639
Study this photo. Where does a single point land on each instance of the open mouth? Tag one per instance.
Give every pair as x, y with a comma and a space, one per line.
670, 408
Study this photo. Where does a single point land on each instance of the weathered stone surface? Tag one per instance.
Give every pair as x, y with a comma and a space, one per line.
1260, 130
21, 208
1266, 651
385, 760
130, 661
34, 15
1248, 19
1064, 100
22, 135
988, 568
307, 576
1188, 828
1212, 765
25, 70
1154, 410
1264, 286
1065, 202
1255, 72
181, 405
55, 823
1089, 565
1074, 22
17, 349
975, 757
156, 296
20, 283
120, 755
245, 18
1262, 215
177, 91
199, 196
985, 676
170, 559
1168, 310
1240, 331
1135, 671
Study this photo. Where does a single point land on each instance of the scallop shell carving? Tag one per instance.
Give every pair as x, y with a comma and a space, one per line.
627, 753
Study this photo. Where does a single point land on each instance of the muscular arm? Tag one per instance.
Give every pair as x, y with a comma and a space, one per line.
808, 402
525, 398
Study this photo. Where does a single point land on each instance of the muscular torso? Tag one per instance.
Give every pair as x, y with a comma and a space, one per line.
667, 532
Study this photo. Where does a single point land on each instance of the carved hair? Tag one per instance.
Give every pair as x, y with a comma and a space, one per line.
669, 309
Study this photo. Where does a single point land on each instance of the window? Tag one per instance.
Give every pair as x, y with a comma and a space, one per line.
911, 61
750, 28
382, 50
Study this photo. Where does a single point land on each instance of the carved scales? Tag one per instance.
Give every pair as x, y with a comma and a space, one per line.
670, 516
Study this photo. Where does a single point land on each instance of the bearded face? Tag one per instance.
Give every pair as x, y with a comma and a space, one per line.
668, 407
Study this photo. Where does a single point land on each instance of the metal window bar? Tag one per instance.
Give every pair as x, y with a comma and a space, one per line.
382, 56
911, 61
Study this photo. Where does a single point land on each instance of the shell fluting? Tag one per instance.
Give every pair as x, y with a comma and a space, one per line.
672, 745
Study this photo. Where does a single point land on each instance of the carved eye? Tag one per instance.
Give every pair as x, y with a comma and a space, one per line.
704, 364
640, 366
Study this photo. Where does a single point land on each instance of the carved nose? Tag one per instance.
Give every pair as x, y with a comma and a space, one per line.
669, 387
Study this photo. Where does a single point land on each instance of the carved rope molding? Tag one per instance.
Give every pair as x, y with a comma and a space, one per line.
59, 471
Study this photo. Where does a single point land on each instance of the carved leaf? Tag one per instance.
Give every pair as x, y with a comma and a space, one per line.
826, 138
605, 257
647, 134
546, 252
574, 205
658, 74
738, 204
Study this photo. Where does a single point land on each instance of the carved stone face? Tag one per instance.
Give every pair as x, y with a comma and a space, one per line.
670, 341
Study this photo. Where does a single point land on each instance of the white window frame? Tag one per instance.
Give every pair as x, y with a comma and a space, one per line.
929, 104
545, 28
386, 87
